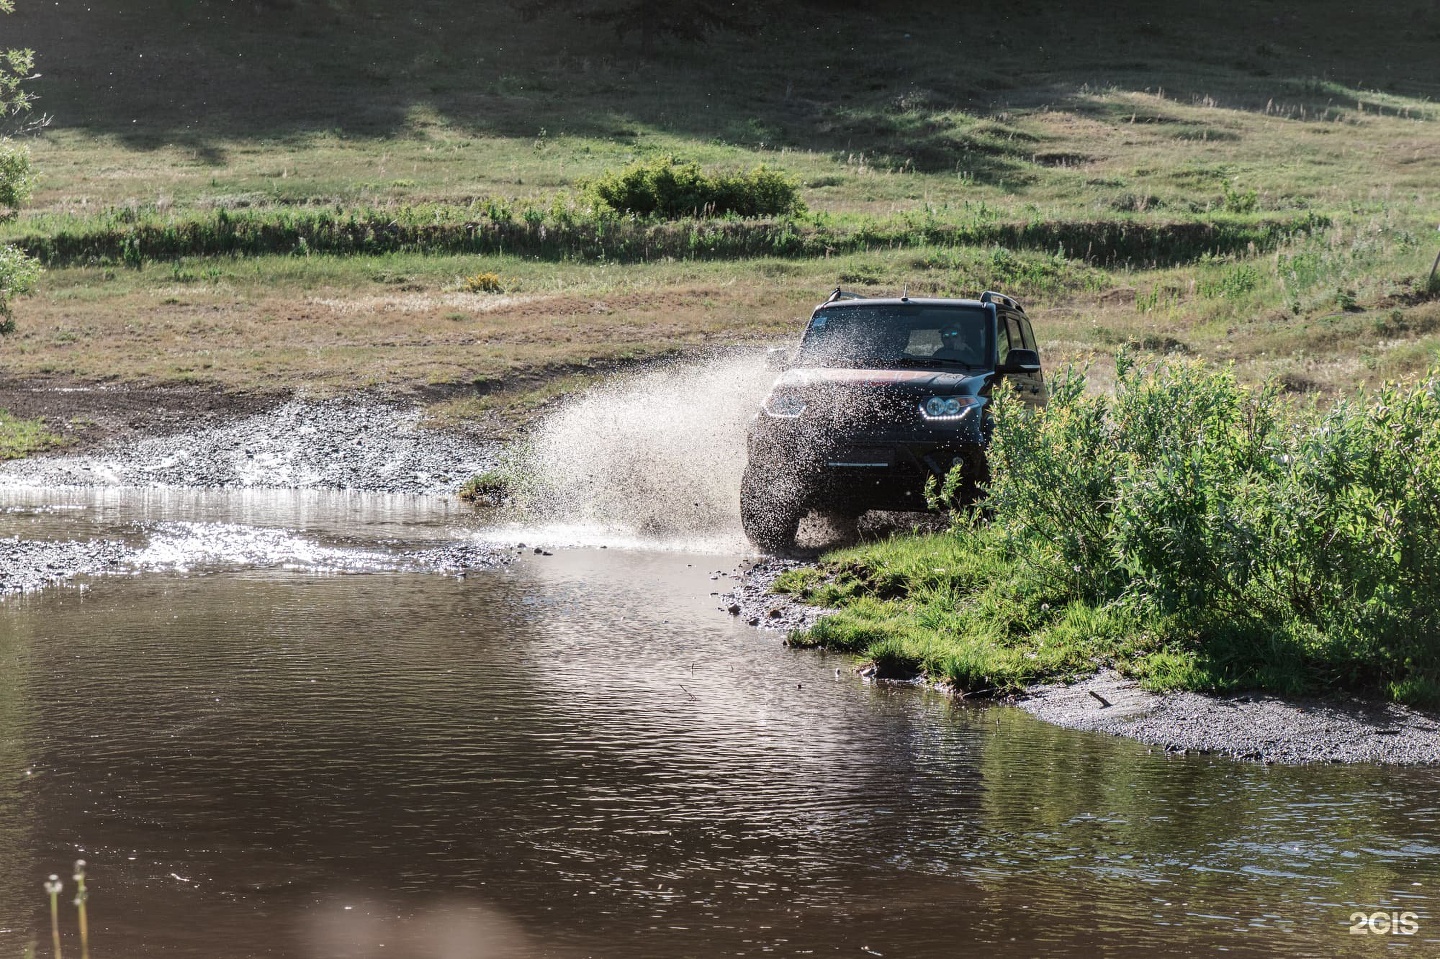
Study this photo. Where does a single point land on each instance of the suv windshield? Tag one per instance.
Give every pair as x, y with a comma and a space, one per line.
898, 335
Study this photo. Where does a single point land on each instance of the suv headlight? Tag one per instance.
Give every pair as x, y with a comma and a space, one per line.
784, 405
948, 407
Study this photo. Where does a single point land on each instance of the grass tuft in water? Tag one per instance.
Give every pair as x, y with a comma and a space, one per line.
53, 887
492, 488
82, 896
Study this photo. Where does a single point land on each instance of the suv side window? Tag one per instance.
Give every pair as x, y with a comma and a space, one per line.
1027, 335
1017, 342
1002, 339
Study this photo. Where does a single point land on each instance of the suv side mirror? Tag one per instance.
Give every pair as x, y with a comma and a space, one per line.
777, 358
1020, 361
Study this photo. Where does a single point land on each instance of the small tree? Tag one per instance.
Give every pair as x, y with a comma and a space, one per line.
18, 271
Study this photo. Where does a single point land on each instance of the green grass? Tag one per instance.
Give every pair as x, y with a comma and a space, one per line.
19, 438
560, 233
957, 610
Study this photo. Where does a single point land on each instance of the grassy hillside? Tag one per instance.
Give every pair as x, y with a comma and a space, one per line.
1233, 180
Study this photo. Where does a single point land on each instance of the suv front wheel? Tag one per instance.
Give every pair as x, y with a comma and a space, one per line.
770, 512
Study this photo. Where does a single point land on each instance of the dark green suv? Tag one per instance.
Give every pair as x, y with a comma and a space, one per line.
881, 395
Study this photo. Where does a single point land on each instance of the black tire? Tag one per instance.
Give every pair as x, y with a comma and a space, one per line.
844, 523
770, 512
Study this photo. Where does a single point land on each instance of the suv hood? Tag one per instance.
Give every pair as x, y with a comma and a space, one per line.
944, 383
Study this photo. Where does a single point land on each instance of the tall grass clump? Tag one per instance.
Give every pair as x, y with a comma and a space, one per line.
1187, 529
668, 188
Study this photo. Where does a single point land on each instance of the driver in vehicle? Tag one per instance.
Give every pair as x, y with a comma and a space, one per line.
953, 346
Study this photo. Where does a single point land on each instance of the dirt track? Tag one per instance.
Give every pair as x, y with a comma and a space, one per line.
86, 415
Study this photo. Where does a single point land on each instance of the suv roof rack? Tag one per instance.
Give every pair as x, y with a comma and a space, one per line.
990, 296
839, 294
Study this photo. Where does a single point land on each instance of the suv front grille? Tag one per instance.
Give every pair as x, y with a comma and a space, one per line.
859, 411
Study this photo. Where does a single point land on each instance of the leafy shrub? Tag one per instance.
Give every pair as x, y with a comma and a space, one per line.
668, 188
18, 273
1269, 545
17, 175
1237, 200
482, 283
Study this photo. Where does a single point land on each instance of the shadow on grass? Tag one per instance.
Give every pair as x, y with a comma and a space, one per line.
904, 88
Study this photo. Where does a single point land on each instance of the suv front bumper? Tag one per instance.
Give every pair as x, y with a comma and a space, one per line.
855, 473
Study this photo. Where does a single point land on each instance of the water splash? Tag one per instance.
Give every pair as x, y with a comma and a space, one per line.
186, 547
652, 459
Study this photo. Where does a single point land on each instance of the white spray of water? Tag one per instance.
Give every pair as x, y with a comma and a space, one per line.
651, 459
183, 547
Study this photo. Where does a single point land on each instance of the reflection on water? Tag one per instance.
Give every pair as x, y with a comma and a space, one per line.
577, 755
85, 512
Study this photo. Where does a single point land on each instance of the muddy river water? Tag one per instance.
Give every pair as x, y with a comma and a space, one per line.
271, 741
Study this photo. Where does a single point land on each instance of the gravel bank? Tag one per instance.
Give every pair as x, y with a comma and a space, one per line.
1256, 727
1260, 727
330, 445
752, 601
27, 565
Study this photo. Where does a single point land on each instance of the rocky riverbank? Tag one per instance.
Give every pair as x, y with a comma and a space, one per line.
325, 445
1260, 727
291, 445
1257, 727
751, 599
29, 565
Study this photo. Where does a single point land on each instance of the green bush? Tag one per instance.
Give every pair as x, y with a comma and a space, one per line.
18, 273
1266, 545
482, 283
669, 189
1237, 200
